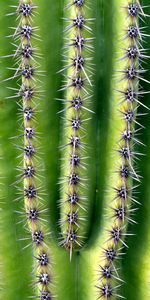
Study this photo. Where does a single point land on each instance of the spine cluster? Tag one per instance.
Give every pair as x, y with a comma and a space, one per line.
123, 200
28, 94
78, 49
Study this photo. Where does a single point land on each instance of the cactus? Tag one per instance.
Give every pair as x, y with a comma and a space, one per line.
73, 139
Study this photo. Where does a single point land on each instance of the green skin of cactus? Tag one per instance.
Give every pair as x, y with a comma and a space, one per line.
74, 280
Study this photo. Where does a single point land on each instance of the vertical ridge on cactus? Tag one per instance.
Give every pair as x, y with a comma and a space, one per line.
122, 207
78, 58
28, 71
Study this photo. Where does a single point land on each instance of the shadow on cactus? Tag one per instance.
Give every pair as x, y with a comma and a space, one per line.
75, 170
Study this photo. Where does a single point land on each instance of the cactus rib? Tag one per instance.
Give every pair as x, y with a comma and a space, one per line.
28, 72
78, 74
122, 206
